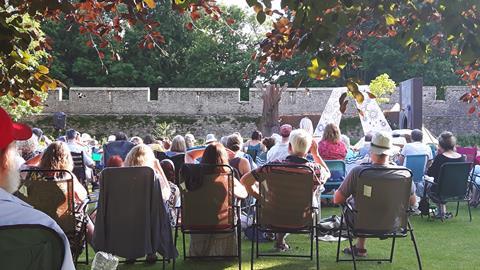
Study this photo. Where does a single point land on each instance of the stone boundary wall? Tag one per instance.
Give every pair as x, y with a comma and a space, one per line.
439, 115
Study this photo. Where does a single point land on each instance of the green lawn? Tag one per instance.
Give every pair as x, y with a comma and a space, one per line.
453, 244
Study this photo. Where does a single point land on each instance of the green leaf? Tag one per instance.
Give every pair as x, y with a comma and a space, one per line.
251, 3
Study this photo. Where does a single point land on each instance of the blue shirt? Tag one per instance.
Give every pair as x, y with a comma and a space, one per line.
14, 211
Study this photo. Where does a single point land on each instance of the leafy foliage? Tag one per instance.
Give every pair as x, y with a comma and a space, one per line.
164, 130
22, 108
381, 86
332, 31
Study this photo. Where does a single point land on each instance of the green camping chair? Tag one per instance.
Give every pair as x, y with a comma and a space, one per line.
24, 247
452, 184
381, 210
51, 192
209, 208
338, 173
285, 206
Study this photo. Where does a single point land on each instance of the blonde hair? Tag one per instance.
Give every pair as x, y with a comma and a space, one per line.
307, 125
140, 155
57, 156
331, 133
300, 141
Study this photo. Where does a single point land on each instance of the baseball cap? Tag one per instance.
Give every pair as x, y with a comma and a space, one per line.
381, 143
210, 138
285, 130
11, 131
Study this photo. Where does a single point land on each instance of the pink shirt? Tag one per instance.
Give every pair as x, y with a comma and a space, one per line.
332, 151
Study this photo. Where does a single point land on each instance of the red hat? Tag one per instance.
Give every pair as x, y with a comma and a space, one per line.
285, 130
11, 131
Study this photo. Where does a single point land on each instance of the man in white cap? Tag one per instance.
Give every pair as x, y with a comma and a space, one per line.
210, 138
14, 211
380, 152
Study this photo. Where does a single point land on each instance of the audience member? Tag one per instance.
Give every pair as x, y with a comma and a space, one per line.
268, 142
190, 141
416, 147
119, 146
380, 150
307, 125
365, 149
178, 146
280, 150
210, 139
14, 211
446, 153
28, 149
254, 146
217, 244
238, 162
298, 146
331, 147
136, 140
75, 146
114, 161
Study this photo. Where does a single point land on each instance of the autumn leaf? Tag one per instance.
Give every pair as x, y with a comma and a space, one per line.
150, 3
389, 19
342, 98
471, 110
343, 106
370, 95
42, 69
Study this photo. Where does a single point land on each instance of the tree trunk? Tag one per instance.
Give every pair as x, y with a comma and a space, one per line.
271, 96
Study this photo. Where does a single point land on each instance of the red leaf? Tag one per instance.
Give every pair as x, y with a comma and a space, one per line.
150, 45
195, 15
101, 55
89, 43
189, 26
230, 21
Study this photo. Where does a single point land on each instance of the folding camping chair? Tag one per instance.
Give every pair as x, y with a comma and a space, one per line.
132, 221
209, 207
285, 206
452, 185
417, 165
51, 191
470, 153
79, 168
380, 211
338, 172
28, 246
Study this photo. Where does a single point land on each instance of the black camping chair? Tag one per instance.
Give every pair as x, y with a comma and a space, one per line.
285, 206
452, 185
178, 160
28, 246
131, 215
203, 208
51, 191
79, 168
382, 206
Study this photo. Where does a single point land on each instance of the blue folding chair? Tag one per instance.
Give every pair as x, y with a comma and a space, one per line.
338, 172
417, 164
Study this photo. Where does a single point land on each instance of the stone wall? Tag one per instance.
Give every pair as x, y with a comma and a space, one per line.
199, 103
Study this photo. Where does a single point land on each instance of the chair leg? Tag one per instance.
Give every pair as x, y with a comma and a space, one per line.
184, 246
316, 248
458, 204
415, 245
393, 249
253, 247
339, 238
239, 248
469, 211
351, 249
311, 244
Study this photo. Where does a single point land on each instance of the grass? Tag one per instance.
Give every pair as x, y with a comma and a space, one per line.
448, 245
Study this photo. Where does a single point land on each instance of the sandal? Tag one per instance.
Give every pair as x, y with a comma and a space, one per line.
359, 252
282, 247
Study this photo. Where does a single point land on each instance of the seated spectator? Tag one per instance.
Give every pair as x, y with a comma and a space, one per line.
238, 162
178, 146
380, 150
280, 150
114, 161
75, 146
217, 244
365, 149
350, 153
142, 155
190, 142
307, 125
136, 140
210, 139
299, 144
446, 153
268, 142
416, 147
14, 211
120, 146
331, 147
43, 141
157, 146
28, 149
254, 146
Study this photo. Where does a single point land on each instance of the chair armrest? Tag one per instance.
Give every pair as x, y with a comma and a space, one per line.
429, 181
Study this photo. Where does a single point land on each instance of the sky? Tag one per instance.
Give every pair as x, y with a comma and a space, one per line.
243, 3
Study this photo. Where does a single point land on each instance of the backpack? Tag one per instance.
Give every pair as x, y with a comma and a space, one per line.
424, 206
